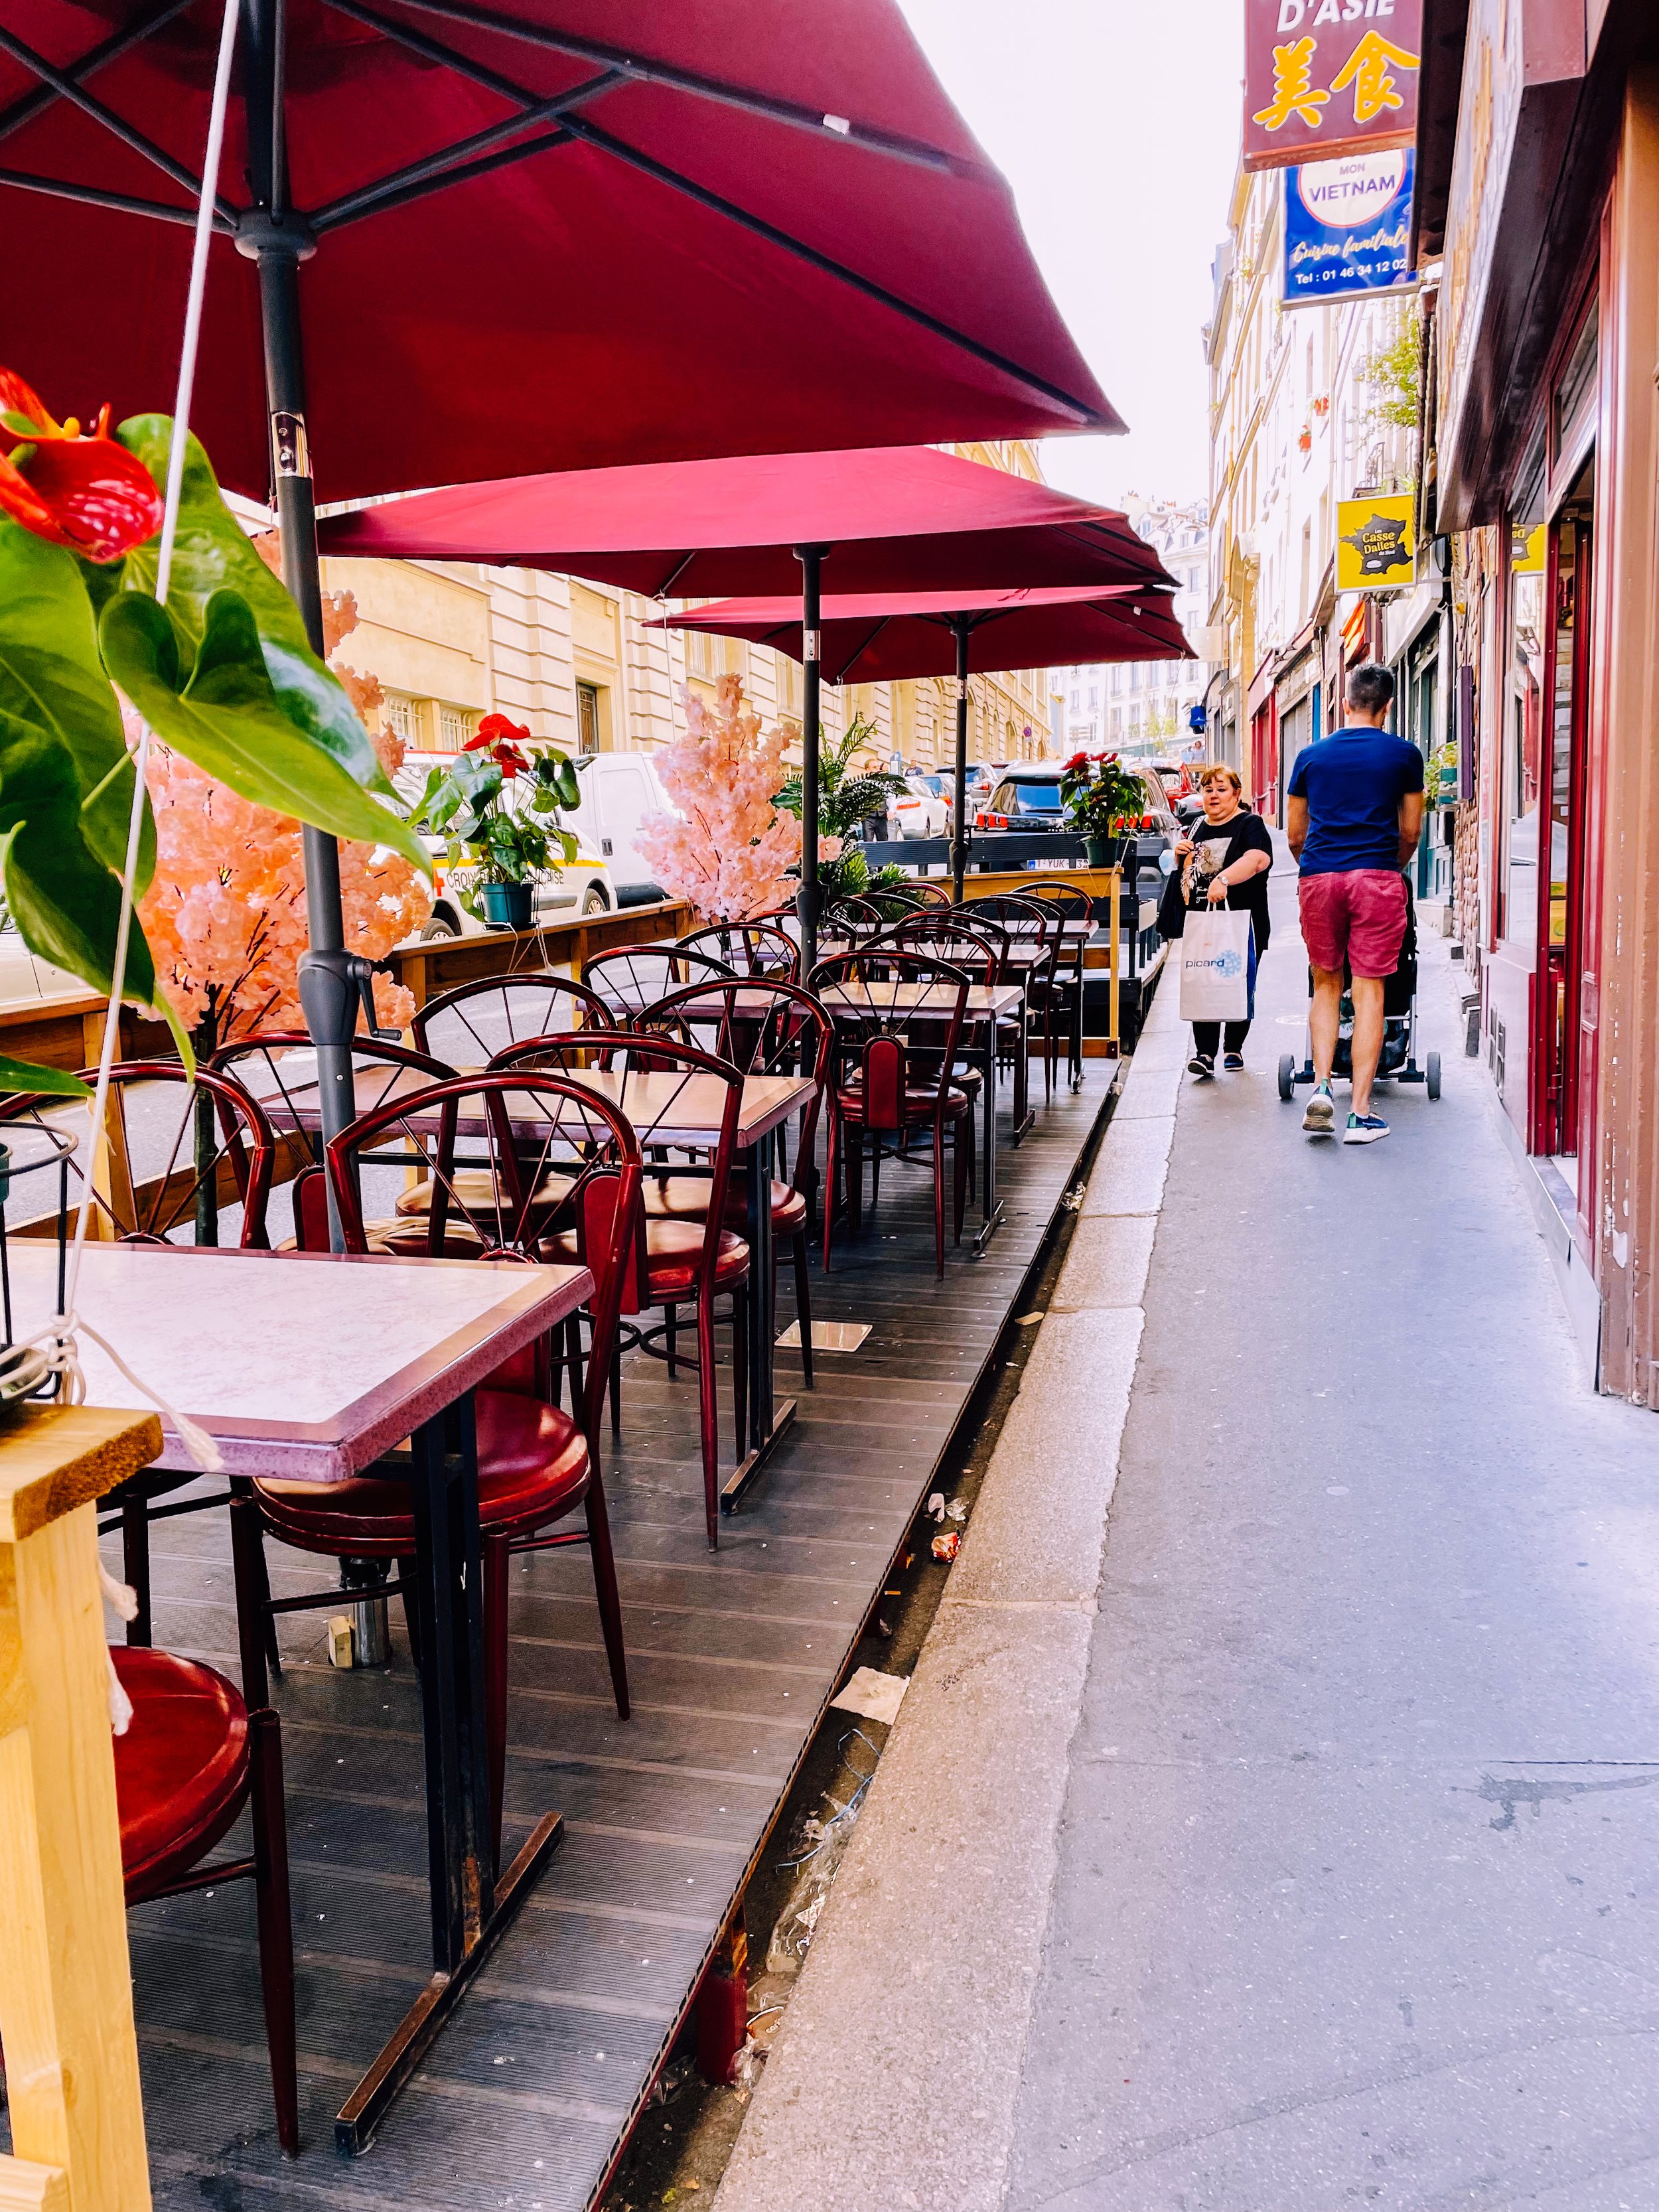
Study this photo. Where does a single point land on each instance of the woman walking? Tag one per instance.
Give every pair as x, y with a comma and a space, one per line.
1225, 857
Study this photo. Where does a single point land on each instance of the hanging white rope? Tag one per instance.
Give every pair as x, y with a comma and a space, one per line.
58, 1343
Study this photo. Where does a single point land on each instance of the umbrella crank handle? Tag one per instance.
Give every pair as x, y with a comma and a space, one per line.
333, 985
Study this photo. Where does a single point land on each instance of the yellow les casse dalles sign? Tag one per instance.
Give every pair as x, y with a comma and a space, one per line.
1376, 541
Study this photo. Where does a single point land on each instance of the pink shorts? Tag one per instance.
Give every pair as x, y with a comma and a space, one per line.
1358, 916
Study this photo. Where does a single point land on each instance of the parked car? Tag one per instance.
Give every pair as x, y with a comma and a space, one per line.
1027, 798
582, 886
920, 809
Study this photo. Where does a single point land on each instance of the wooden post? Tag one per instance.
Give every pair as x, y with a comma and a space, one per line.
1114, 947
77, 2124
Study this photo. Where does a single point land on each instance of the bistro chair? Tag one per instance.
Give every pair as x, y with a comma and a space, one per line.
1034, 932
927, 893
1075, 906
747, 948
194, 1755
656, 1081
468, 1026
178, 1154
536, 1463
898, 1017
279, 1066
632, 976
791, 1035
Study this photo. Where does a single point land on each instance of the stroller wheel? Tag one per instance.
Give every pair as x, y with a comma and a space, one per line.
1431, 1073
1287, 1076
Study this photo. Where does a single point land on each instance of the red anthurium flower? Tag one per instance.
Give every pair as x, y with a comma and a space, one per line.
87, 493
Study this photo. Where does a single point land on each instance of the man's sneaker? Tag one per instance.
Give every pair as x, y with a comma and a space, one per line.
1233, 1062
1321, 1117
1200, 1065
1364, 1129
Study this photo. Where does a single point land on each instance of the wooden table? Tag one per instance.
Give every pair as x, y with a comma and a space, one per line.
985, 1005
308, 1367
671, 1109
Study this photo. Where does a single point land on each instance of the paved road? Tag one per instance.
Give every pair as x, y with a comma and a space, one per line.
1356, 1903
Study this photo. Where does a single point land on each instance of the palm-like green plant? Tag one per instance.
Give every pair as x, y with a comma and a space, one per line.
845, 800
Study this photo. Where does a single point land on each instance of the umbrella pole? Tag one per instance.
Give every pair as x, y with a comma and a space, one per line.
960, 624
809, 905
331, 978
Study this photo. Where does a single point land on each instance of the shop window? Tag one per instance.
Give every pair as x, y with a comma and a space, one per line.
1575, 395
1523, 710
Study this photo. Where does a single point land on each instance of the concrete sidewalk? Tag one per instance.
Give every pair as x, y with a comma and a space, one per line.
1295, 1848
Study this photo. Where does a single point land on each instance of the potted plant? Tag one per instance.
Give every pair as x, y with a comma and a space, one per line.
501, 839
847, 797
1101, 800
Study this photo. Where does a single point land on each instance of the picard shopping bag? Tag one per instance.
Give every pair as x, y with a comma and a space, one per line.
1217, 970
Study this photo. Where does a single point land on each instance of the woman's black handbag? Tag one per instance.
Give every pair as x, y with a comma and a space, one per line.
1172, 907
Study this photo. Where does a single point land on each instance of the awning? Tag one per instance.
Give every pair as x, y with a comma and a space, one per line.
891, 519
880, 638
535, 234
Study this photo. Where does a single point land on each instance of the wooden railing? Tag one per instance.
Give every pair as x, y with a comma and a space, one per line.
77, 2123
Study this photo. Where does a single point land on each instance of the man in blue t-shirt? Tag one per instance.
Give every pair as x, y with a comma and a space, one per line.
1356, 808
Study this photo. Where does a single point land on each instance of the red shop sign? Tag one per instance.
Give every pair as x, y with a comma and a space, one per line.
1329, 77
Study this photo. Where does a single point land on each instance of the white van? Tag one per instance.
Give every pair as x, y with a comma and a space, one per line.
618, 791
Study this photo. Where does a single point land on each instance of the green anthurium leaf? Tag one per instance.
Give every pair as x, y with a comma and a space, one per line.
229, 717
569, 790
213, 553
64, 900
51, 678
23, 1076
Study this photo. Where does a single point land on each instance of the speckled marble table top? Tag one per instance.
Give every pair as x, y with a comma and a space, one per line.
306, 1366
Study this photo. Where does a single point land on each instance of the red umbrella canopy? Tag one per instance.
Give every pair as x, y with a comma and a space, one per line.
882, 638
547, 234
895, 519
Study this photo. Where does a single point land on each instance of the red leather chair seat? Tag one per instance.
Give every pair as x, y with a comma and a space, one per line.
919, 1103
533, 1467
672, 1251
684, 1198
473, 1189
181, 1769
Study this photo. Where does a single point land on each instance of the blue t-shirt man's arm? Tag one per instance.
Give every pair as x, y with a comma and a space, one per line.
1353, 781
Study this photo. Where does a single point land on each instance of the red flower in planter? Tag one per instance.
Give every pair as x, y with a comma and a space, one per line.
88, 493
500, 735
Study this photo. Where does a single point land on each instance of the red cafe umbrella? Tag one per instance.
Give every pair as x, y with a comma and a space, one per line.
897, 519
884, 637
458, 238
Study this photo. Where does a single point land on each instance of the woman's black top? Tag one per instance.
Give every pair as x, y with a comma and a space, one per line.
1219, 844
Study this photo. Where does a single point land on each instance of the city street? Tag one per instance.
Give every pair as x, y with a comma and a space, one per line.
1345, 1893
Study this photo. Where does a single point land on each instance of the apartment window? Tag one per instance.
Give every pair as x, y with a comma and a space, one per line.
791, 686
701, 648
455, 727
1117, 721
1094, 697
1076, 700
400, 716
1117, 678
587, 718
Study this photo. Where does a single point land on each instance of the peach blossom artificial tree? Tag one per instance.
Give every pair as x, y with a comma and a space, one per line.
728, 850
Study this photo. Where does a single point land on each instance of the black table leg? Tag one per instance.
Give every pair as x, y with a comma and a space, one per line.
991, 1209
1024, 1118
767, 1420
470, 1909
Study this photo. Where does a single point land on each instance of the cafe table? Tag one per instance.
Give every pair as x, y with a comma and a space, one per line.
310, 1367
673, 1110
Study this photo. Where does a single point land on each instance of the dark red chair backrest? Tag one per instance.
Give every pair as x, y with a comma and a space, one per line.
793, 1036
147, 1208
467, 1026
266, 1062
749, 948
626, 1055
902, 1049
581, 1126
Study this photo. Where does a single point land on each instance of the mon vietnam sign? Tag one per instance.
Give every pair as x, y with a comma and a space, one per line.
1328, 77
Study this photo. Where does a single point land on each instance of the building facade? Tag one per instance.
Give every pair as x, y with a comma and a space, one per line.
1542, 453
1308, 406
1146, 705
581, 666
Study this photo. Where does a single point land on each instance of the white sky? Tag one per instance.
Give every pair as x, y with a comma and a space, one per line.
1117, 123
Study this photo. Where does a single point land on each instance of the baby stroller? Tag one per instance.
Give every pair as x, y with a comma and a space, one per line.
1397, 1062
